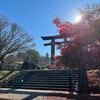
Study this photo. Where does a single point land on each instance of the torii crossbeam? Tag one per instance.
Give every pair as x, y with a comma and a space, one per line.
53, 43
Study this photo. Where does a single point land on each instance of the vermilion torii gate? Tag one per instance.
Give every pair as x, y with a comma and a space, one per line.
53, 43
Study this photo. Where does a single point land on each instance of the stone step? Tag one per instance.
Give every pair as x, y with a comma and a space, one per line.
42, 88
49, 78
35, 82
59, 75
53, 77
46, 80
46, 85
39, 86
42, 82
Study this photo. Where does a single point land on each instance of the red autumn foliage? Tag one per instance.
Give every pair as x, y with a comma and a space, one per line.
80, 47
64, 27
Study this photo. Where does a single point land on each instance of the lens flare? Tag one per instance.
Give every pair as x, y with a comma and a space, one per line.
78, 18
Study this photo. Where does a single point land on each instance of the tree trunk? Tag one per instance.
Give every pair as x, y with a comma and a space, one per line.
1, 62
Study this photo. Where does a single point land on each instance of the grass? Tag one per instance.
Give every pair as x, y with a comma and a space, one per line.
8, 77
3, 73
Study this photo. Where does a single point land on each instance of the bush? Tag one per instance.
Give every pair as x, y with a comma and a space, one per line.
94, 80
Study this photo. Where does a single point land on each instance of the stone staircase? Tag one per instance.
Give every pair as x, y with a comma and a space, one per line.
65, 80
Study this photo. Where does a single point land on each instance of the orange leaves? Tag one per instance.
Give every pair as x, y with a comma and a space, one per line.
65, 28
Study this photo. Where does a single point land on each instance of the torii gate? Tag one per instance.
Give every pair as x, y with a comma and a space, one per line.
53, 43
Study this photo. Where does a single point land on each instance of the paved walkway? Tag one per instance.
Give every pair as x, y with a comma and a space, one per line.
24, 94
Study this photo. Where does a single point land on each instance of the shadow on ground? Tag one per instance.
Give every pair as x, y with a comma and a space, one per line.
33, 95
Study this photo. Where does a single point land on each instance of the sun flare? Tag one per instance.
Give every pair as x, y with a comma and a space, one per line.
78, 18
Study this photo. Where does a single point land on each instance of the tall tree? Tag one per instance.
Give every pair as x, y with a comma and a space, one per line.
91, 17
13, 38
82, 45
34, 57
47, 59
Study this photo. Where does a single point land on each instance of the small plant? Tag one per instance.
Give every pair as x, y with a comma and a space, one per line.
94, 80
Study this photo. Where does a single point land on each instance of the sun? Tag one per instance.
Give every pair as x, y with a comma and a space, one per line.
78, 18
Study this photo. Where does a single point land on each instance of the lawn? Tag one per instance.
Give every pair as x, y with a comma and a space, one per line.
3, 73
6, 76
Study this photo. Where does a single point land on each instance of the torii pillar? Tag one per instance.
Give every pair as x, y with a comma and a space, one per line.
52, 50
52, 43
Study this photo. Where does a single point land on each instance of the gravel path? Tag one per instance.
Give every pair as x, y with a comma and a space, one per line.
24, 94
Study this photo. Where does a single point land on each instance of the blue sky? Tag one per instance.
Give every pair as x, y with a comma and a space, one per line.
36, 16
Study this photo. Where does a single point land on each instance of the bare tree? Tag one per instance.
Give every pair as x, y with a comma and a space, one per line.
13, 38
